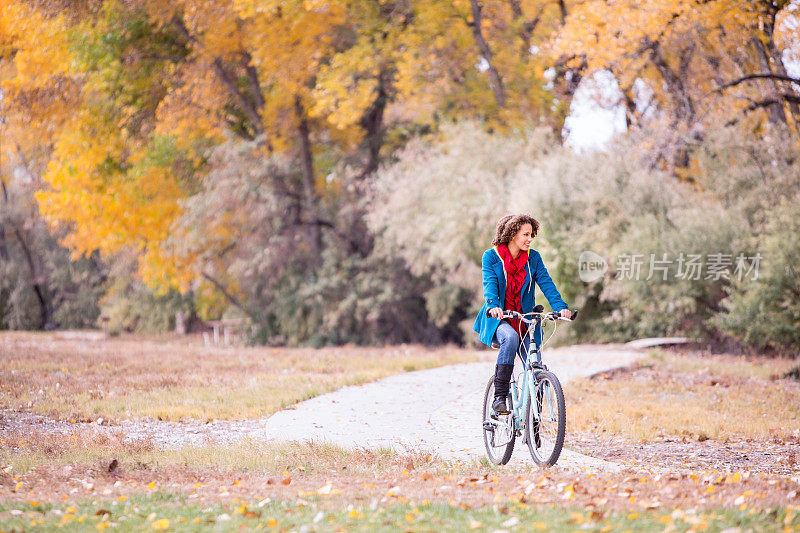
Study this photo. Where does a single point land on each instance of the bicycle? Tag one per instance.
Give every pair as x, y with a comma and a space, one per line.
543, 425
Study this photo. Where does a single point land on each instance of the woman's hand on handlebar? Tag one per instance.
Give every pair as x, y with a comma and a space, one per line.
496, 312
565, 313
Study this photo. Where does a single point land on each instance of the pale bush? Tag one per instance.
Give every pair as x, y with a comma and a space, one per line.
436, 208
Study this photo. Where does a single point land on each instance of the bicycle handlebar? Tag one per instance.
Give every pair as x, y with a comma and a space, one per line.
529, 318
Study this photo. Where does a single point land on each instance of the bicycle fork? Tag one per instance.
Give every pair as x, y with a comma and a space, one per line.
521, 404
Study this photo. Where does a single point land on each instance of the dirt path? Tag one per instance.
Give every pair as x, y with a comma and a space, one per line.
438, 410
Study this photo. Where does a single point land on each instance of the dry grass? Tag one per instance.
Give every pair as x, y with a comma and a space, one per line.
689, 396
182, 379
60, 470
27, 450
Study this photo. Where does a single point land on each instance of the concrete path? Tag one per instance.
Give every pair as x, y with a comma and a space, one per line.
438, 410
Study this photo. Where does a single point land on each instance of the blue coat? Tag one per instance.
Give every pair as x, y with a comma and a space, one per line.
494, 291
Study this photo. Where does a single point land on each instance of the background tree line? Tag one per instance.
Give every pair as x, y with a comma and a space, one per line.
330, 169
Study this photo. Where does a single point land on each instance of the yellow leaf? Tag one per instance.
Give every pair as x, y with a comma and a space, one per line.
161, 525
151, 486
272, 523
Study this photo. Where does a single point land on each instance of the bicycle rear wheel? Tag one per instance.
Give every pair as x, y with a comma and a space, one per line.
545, 420
498, 430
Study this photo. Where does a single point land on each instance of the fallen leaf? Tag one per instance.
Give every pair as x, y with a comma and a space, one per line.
286, 481
161, 525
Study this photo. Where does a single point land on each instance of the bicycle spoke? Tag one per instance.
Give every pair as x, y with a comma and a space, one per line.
546, 435
499, 440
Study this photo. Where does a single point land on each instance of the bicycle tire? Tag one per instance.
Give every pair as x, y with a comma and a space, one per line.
498, 455
545, 438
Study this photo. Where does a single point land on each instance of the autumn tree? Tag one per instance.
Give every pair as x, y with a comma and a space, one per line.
703, 61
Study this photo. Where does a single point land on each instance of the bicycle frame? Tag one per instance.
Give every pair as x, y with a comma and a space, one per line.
520, 405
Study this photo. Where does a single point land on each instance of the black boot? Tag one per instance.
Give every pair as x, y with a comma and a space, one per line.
502, 377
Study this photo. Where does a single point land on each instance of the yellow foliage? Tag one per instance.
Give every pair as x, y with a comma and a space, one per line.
703, 43
38, 44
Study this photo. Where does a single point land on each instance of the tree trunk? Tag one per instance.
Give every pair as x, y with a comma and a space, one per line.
771, 60
771, 89
307, 168
3, 242
39, 288
494, 76
685, 108
372, 122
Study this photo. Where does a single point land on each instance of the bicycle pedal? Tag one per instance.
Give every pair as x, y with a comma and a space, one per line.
488, 427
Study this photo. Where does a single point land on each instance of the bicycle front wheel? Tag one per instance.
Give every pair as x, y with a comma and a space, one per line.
545, 420
498, 430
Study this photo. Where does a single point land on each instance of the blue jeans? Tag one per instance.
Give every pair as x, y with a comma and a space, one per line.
508, 339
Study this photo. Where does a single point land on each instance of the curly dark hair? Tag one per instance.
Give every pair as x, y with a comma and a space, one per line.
509, 226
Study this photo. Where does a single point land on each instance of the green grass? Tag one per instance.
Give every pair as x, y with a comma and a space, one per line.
176, 512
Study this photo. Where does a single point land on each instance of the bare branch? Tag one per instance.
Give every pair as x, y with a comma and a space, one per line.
231, 298
760, 76
245, 105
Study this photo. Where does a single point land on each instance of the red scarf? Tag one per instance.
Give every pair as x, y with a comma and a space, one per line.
515, 279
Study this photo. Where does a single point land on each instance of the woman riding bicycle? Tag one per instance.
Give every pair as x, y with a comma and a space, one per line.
509, 269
